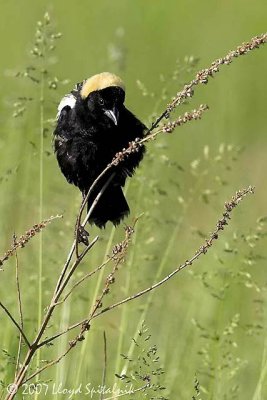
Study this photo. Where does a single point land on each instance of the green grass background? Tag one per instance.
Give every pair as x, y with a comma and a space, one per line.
210, 320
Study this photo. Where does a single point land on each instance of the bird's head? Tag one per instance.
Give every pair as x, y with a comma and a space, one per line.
103, 96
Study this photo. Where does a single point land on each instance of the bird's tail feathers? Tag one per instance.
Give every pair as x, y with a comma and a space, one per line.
112, 206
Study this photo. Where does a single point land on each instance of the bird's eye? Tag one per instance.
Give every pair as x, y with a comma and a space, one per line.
101, 101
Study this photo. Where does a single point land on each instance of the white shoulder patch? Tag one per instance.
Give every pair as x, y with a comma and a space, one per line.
68, 100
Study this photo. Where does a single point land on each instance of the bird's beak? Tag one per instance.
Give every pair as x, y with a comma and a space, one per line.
113, 115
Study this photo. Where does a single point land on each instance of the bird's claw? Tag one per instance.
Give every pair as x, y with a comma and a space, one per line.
82, 235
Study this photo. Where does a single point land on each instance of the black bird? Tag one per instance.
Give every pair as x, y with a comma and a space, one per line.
92, 126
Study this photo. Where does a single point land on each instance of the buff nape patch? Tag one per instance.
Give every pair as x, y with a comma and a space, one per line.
100, 81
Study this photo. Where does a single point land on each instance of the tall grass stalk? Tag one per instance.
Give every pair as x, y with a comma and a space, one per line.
179, 352
85, 348
41, 183
215, 353
124, 314
263, 375
61, 369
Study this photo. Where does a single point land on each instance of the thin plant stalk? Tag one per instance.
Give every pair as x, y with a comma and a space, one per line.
41, 178
84, 347
20, 312
123, 321
263, 374
104, 374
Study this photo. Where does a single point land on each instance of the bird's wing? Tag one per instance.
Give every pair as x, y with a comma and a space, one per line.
69, 100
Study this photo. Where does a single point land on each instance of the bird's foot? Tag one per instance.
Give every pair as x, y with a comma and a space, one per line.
82, 235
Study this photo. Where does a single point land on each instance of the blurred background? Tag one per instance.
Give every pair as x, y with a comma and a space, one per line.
209, 321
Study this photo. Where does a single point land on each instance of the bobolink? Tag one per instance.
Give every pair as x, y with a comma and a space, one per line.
92, 126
